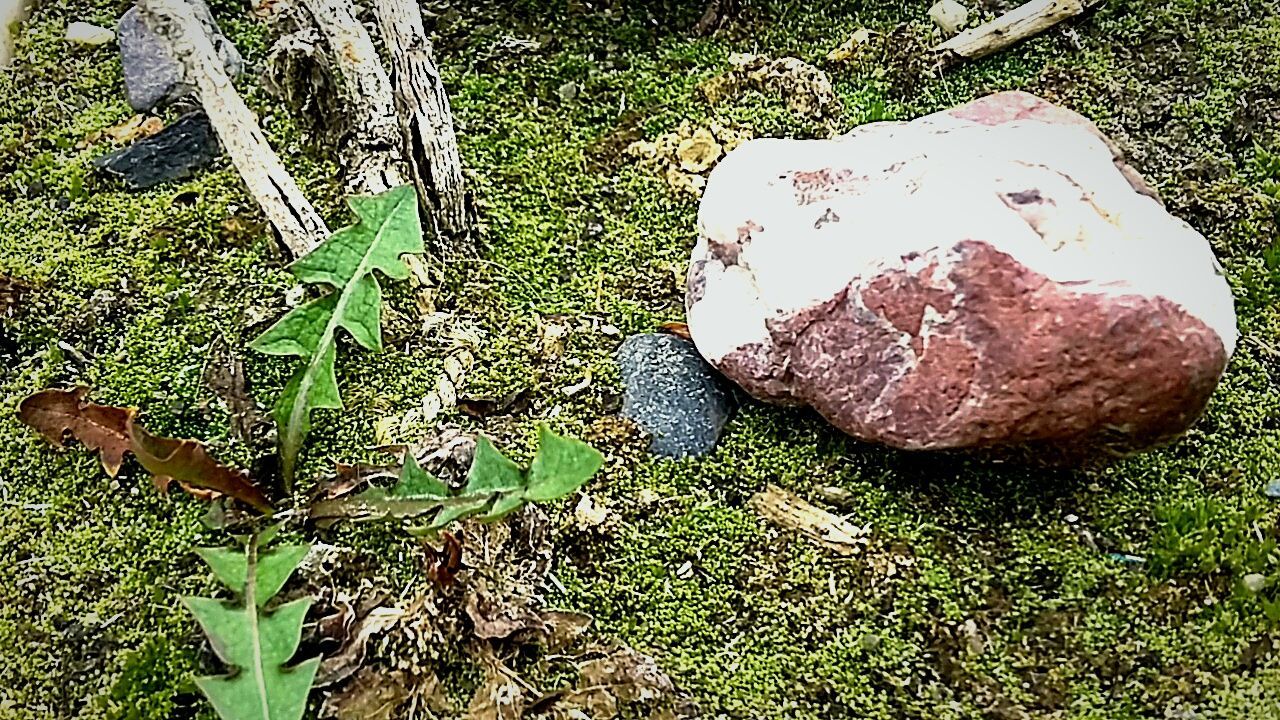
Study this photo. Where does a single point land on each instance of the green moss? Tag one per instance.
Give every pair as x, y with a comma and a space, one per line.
987, 589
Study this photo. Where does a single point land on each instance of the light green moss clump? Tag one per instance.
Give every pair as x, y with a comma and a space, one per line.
986, 589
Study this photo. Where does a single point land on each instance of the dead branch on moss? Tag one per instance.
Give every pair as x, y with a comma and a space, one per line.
300, 226
1022, 22
426, 126
330, 63
793, 512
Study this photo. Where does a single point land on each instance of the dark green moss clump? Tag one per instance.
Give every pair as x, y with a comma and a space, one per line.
1146, 589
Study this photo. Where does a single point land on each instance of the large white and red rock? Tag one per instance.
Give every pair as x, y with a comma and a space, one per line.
988, 275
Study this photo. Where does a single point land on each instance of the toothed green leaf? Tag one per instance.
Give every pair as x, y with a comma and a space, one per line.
388, 228
230, 565
491, 471
561, 466
255, 643
496, 486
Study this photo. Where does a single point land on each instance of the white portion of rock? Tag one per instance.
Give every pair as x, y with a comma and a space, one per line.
12, 12
83, 33
930, 184
949, 16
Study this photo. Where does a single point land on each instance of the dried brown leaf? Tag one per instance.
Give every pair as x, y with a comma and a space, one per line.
500, 697
112, 432
372, 695
187, 462
513, 403
56, 414
497, 618
346, 661
564, 628
679, 329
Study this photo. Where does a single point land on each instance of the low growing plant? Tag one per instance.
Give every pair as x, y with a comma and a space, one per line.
495, 485
345, 263
254, 641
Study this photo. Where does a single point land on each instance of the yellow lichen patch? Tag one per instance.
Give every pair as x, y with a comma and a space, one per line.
805, 89
686, 155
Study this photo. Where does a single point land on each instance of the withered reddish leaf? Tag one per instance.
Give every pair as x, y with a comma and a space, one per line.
187, 462
112, 432
679, 329
55, 414
444, 564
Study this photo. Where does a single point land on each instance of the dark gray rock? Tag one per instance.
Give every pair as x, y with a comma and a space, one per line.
171, 154
673, 394
151, 74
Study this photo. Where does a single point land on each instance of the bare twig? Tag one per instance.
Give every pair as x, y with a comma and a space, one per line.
426, 125
370, 142
793, 512
300, 226
1022, 22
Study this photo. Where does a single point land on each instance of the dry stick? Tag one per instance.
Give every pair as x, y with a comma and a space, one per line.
426, 125
373, 155
1014, 26
300, 226
793, 512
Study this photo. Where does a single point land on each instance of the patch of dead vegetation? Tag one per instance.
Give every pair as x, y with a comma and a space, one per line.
685, 156
806, 89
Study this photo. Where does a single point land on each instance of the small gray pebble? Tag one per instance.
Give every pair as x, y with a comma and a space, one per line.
674, 395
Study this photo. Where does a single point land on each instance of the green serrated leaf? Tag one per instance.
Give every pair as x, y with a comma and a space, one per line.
388, 228
560, 466
416, 482
465, 507
254, 642
491, 471
274, 568
503, 506
230, 565
300, 331
257, 644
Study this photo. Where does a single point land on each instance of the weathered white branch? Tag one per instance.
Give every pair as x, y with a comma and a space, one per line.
370, 140
300, 226
426, 124
1014, 26
793, 512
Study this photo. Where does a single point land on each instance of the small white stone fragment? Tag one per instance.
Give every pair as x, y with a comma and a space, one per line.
1254, 582
83, 33
949, 16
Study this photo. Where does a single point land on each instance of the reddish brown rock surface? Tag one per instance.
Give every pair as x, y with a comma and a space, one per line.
992, 275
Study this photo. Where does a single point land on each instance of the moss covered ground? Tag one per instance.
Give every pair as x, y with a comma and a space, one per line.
988, 590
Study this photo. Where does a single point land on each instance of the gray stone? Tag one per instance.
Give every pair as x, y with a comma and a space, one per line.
171, 154
673, 394
1272, 489
151, 74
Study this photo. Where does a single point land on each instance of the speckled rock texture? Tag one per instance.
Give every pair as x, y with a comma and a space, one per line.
152, 75
674, 395
990, 275
174, 153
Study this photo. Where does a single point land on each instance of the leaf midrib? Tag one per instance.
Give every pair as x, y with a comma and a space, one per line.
300, 400
251, 607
